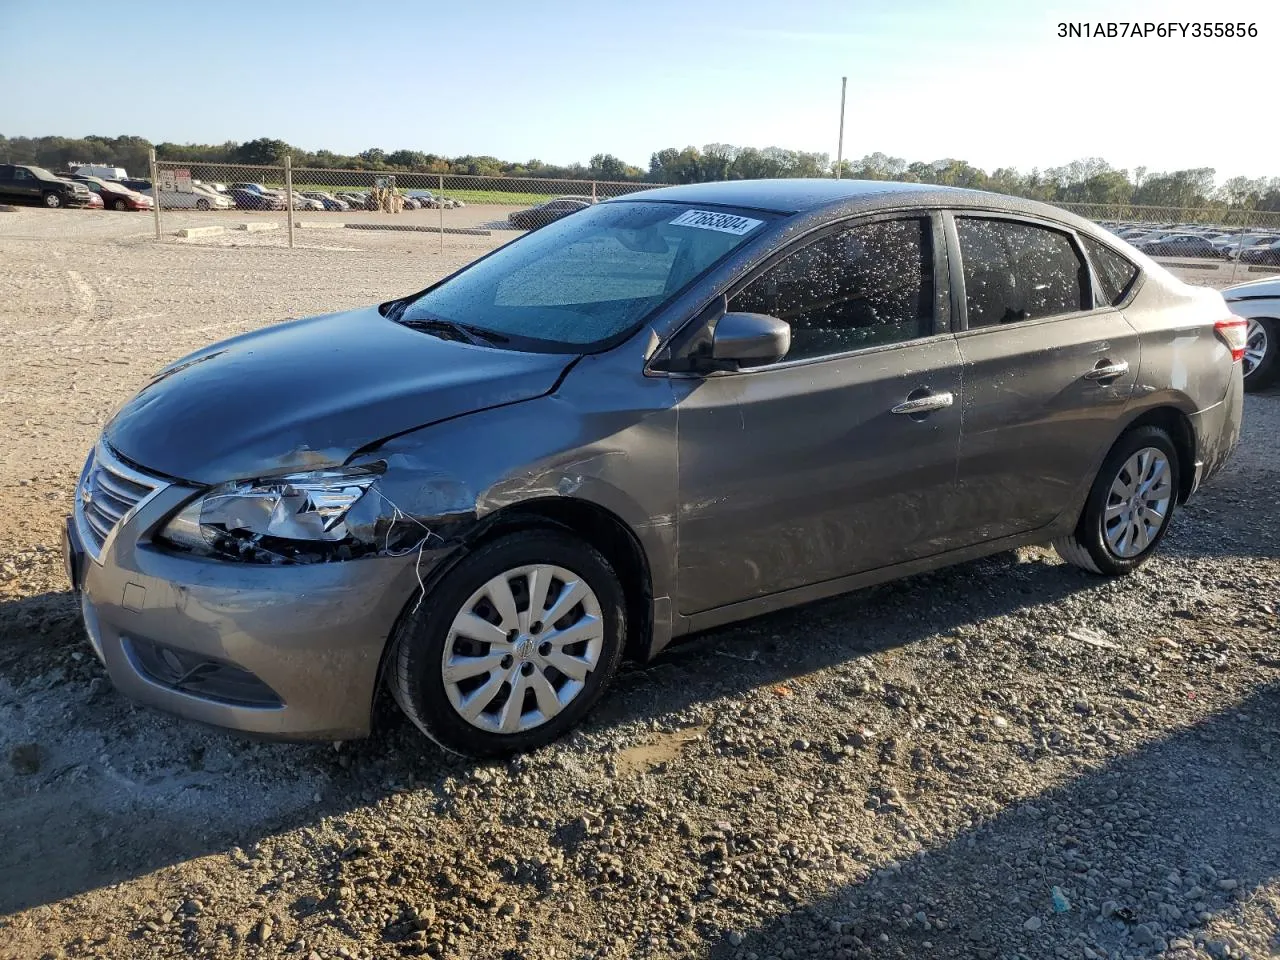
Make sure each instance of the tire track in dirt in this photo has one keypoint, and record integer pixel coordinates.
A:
(93, 307)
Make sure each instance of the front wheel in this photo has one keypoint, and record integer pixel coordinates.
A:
(120, 205)
(52, 201)
(202, 205)
(1262, 344)
(1129, 507)
(513, 646)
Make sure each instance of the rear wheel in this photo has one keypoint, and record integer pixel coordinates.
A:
(119, 205)
(1129, 507)
(1262, 344)
(52, 200)
(513, 647)
(202, 204)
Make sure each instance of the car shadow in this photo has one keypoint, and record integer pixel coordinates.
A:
(1142, 850)
(122, 790)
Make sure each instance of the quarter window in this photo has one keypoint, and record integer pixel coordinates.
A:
(1115, 273)
(1017, 271)
(866, 286)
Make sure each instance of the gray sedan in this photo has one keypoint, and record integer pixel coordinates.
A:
(667, 412)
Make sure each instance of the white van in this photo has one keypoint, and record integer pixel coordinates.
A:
(95, 170)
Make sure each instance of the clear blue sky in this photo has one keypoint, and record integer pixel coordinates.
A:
(988, 81)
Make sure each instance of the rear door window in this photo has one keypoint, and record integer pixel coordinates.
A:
(1016, 271)
(1115, 274)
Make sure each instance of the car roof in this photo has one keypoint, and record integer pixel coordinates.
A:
(794, 195)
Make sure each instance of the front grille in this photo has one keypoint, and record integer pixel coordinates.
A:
(108, 494)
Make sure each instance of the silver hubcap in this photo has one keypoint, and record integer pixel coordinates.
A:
(52, 200)
(1255, 346)
(1138, 503)
(522, 647)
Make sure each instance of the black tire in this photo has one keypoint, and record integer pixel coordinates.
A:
(1086, 547)
(416, 659)
(120, 205)
(202, 205)
(1265, 372)
(52, 200)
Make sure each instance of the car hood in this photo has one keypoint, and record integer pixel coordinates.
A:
(309, 393)
(1268, 287)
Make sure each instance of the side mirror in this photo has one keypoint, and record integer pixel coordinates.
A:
(747, 339)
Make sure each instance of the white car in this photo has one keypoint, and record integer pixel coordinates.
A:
(305, 203)
(1258, 301)
(200, 198)
(1241, 245)
(427, 199)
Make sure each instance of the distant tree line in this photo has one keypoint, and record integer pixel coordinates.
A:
(1082, 181)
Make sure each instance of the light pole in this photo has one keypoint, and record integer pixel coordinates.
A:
(840, 144)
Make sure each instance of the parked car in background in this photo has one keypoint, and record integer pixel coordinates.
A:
(1179, 245)
(548, 212)
(26, 183)
(426, 198)
(1262, 253)
(662, 413)
(137, 185)
(102, 171)
(328, 201)
(357, 200)
(253, 200)
(303, 202)
(1258, 302)
(95, 202)
(199, 198)
(409, 203)
(258, 189)
(115, 195)
(1234, 250)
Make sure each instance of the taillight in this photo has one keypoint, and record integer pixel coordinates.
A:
(1234, 333)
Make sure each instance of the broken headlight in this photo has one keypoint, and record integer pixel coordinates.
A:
(302, 510)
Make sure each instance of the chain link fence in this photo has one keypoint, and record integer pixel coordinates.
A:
(308, 206)
(294, 206)
(1217, 244)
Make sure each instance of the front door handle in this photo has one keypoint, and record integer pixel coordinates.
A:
(1108, 371)
(914, 406)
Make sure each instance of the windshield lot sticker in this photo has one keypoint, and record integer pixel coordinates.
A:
(723, 222)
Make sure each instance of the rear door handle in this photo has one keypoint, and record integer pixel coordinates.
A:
(1108, 371)
(925, 404)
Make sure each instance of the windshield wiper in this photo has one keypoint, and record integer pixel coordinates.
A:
(477, 336)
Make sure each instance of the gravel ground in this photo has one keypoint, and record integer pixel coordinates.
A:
(1006, 759)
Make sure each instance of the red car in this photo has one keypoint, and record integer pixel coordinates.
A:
(114, 195)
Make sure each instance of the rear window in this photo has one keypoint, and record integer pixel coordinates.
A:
(1017, 271)
(1115, 274)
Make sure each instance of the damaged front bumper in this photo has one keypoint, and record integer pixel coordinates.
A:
(290, 650)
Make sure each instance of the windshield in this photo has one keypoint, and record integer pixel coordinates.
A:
(588, 277)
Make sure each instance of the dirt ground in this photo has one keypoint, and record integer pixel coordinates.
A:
(1004, 759)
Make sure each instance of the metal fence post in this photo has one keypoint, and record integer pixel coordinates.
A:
(1235, 262)
(440, 204)
(288, 193)
(155, 190)
(593, 192)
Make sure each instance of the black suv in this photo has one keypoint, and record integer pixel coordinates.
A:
(27, 184)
